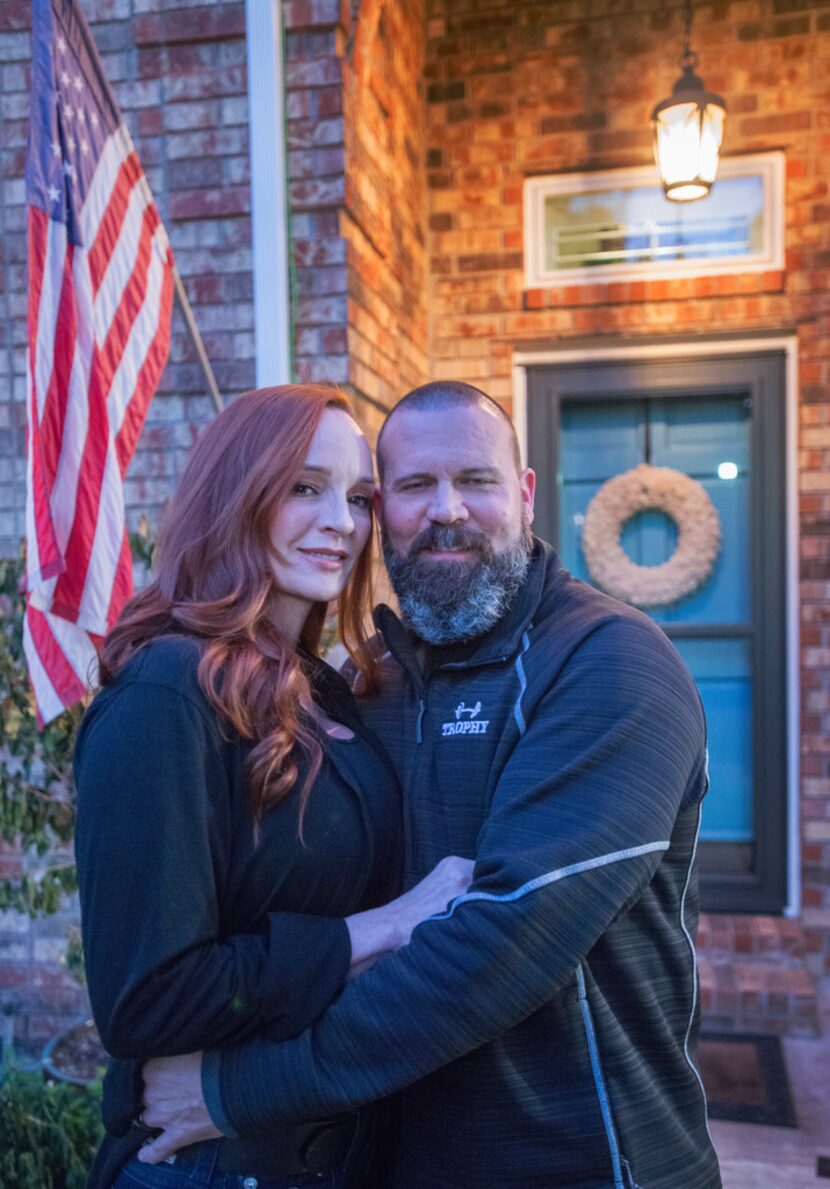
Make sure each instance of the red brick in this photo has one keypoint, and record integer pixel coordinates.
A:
(321, 311)
(329, 101)
(786, 27)
(204, 171)
(206, 84)
(15, 15)
(309, 133)
(335, 341)
(318, 72)
(319, 251)
(317, 192)
(150, 122)
(797, 121)
(206, 23)
(207, 204)
(299, 105)
(196, 56)
(487, 261)
(304, 14)
(328, 368)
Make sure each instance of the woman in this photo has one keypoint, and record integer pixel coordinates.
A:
(237, 826)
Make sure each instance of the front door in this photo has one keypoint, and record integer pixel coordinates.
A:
(721, 422)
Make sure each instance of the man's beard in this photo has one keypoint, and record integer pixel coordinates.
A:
(447, 602)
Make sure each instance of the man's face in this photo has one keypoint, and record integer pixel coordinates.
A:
(455, 519)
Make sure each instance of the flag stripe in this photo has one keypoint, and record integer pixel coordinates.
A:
(38, 229)
(39, 532)
(122, 330)
(48, 701)
(53, 413)
(123, 584)
(63, 678)
(114, 152)
(141, 305)
(136, 231)
(110, 226)
(76, 418)
(78, 549)
(136, 412)
(95, 596)
(47, 309)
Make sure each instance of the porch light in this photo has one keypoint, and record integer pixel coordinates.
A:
(688, 130)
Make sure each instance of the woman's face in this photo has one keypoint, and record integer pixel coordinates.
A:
(324, 524)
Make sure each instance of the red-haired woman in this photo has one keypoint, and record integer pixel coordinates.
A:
(237, 826)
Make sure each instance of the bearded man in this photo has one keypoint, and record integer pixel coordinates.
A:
(542, 1029)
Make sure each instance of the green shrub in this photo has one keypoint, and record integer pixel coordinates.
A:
(36, 792)
(37, 795)
(49, 1132)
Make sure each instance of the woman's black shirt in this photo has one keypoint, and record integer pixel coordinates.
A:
(195, 934)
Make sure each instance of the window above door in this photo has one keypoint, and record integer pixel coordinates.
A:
(616, 225)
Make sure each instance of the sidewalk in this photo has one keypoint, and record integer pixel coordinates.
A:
(755, 1157)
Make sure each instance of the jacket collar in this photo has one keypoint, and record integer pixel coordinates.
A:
(501, 642)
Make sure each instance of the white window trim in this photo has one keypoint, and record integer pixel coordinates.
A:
(769, 165)
(773, 342)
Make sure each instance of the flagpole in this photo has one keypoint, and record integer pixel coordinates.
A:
(196, 340)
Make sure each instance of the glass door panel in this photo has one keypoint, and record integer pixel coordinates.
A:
(600, 439)
(720, 421)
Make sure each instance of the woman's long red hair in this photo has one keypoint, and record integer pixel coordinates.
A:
(215, 581)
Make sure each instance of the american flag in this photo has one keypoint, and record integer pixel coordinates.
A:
(101, 286)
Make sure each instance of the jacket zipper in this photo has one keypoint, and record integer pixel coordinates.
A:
(406, 783)
(599, 1080)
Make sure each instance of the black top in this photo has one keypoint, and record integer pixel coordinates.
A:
(195, 935)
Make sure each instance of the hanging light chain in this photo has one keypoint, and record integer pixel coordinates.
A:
(688, 57)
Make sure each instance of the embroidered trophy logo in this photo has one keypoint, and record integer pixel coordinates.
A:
(467, 721)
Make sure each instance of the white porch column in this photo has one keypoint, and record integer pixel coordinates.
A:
(269, 213)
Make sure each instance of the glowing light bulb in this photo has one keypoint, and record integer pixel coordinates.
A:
(727, 470)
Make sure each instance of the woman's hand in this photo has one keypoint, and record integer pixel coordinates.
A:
(175, 1106)
(389, 927)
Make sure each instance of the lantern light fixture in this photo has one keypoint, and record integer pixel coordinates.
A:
(688, 129)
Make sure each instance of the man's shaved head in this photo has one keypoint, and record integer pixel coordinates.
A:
(447, 394)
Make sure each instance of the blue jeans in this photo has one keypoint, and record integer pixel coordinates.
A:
(202, 1174)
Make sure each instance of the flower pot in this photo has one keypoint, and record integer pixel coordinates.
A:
(75, 1055)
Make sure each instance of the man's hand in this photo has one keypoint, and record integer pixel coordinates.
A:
(173, 1104)
(378, 931)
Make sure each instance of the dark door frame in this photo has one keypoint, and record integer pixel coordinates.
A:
(761, 375)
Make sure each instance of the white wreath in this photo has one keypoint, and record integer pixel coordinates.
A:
(698, 538)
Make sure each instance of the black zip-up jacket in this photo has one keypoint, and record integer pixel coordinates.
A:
(551, 1012)
(196, 933)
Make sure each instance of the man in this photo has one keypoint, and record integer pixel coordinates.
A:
(543, 1027)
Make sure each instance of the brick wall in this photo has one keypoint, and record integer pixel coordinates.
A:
(552, 86)
(385, 218)
(179, 73)
(357, 195)
(315, 40)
